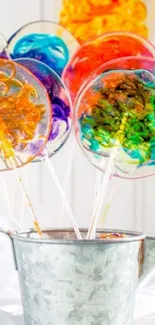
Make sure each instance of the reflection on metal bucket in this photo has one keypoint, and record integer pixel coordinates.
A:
(65, 281)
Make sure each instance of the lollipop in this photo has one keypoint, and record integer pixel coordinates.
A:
(45, 41)
(60, 104)
(90, 18)
(25, 121)
(25, 115)
(115, 116)
(93, 54)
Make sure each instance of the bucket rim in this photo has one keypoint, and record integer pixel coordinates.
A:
(24, 236)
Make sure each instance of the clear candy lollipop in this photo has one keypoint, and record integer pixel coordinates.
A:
(100, 50)
(60, 104)
(25, 115)
(45, 41)
(115, 113)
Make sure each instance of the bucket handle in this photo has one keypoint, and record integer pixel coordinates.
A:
(7, 233)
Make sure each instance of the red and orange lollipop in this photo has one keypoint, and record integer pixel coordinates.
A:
(94, 53)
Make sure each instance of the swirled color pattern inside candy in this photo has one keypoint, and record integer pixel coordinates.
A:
(101, 50)
(61, 112)
(60, 103)
(87, 19)
(116, 95)
(46, 48)
(24, 118)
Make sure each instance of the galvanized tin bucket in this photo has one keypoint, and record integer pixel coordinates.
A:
(65, 281)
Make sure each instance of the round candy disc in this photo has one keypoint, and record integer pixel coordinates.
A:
(116, 111)
(25, 115)
(94, 53)
(45, 41)
(60, 104)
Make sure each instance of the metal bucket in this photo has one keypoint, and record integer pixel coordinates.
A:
(65, 281)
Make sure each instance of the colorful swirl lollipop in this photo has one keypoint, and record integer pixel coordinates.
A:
(60, 104)
(45, 41)
(25, 115)
(116, 110)
(93, 54)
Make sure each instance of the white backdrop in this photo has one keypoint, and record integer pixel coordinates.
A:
(133, 203)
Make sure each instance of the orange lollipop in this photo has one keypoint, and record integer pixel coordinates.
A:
(25, 115)
(25, 121)
(90, 18)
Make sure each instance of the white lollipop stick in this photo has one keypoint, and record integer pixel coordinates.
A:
(69, 165)
(23, 190)
(97, 189)
(63, 197)
(108, 174)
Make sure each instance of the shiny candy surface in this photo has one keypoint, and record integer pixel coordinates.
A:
(25, 115)
(90, 18)
(116, 109)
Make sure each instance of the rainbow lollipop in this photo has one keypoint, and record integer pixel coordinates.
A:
(115, 119)
(45, 41)
(115, 112)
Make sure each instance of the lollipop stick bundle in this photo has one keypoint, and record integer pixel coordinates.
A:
(97, 189)
(63, 197)
(25, 194)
